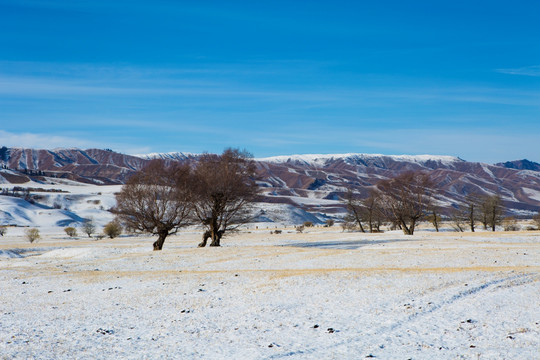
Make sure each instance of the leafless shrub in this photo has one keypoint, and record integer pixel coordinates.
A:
(32, 234)
(348, 226)
(88, 227)
(536, 220)
(510, 224)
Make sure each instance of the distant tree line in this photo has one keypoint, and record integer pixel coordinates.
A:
(403, 201)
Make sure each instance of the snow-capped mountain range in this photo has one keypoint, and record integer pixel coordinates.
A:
(312, 185)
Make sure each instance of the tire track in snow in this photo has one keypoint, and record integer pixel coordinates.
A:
(517, 280)
(512, 281)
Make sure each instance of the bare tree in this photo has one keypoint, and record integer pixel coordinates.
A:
(32, 234)
(458, 219)
(355, 208)
(434, 217)
(406, 199)
(88, 227)
(472, 206)
(491, 211)
(372, 211)
(156, 200)
(223, 190)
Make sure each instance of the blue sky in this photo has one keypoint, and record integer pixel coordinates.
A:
(279, 77)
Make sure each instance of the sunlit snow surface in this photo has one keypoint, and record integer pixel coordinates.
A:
(323, 294)
(321, 159)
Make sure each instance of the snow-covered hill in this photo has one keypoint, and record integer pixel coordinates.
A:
(56, 203)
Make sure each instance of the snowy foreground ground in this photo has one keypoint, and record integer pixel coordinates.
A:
(319, 295)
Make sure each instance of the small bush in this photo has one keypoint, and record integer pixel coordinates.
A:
(3, 230)
(112, 229)
(32, 234)
(536, 220)
(70, 231)
(329, 223)
(300, 229)
(308, 224)
(348, 226)
(510, 224)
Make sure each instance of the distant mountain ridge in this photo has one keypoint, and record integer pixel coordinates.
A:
(178, 156)
(312, 182)
(521, 165)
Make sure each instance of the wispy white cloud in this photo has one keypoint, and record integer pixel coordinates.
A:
(45, 87)
(211, 83)
(525, 71)
(49, 141)
(43, 141)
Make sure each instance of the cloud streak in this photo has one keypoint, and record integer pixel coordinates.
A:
(43, 141)
(524, 71)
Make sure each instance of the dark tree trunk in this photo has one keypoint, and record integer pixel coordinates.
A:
(205, 238)
(405, 228)
(158, 244)
(471, 217)
(216, 240)
(435, 221)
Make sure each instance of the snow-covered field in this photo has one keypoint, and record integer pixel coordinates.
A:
(318, 295)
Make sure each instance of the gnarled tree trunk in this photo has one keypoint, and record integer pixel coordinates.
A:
(158, 244)
(205, 237)
(215, 236)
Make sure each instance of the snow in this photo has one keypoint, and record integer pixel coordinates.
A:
(170, 155)
(322, 159)
(532, 194)
(282, 214)
(53, 209)
(79, 201)
(322, 294)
